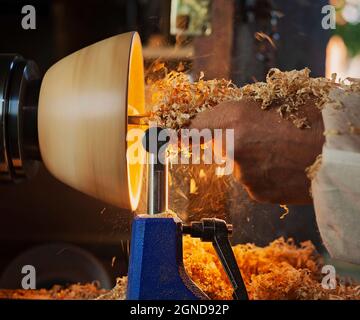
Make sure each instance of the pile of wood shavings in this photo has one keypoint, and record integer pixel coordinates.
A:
(72, 292)
(118, 292)
(175, 99)
(279, 271)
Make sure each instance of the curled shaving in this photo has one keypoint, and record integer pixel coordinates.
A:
(175, 99)
(280, 270)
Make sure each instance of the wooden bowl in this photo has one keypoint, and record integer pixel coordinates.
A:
(85, 100)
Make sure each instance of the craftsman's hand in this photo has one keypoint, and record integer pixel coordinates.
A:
(272, 153)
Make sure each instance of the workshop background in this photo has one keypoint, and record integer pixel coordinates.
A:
(223, 38)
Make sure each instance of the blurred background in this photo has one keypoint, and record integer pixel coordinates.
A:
(233, 39)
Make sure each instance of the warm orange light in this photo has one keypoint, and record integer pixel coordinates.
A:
(336, 57)
(136, 105)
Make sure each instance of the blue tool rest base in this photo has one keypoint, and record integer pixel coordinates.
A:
(156, 269)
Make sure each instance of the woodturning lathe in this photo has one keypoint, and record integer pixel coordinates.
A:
(76, 119)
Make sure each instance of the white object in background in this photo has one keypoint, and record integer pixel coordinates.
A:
(336, 187)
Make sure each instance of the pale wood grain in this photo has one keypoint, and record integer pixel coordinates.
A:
(83, 108)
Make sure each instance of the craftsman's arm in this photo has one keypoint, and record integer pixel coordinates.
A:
(273, 155)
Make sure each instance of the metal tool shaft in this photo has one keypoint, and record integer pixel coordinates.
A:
(157, 185)
(157, 164)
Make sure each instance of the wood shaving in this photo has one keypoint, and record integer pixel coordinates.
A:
(193, 187)
(278, 271)
(261, 36)
(281, 270)
(175, 99)
(207, 196)
(118, 292)
(286, 211)
(167, 214)
(312, 170)
(301, 123)
(72, 292)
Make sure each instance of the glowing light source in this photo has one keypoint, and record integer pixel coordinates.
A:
(336, 57)
(351, 12)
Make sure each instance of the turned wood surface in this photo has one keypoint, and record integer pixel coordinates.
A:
(82, 118)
